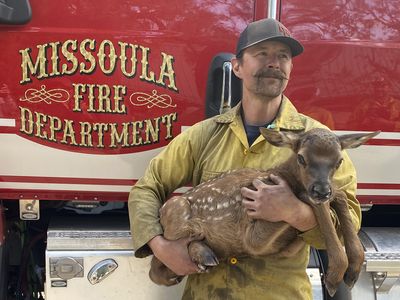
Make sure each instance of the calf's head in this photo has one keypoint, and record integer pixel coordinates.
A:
(318, 155)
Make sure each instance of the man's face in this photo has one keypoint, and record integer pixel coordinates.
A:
(264, 68)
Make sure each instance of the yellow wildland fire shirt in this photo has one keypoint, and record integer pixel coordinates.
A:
(205, 150)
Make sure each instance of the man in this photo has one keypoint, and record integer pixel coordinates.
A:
(230, 141)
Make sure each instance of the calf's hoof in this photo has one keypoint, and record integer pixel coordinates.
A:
(331, 286)
(202, 255)
(350, 277)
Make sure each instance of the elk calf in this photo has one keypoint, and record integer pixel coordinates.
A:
(212, 214)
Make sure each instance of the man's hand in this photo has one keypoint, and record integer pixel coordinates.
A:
(276, 203)
(174, 254)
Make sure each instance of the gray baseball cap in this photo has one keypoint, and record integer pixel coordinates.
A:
(267, 30)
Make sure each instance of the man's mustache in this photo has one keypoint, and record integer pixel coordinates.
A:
(271, 73)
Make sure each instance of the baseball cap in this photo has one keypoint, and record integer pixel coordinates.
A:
(267, 30)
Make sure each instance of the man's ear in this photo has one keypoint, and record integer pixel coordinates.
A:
(236, 66)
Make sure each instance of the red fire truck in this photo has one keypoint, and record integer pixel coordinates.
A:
(90, 91)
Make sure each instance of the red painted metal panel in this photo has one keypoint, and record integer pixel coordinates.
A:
(347, 76)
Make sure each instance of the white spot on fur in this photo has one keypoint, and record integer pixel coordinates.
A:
(225, 204)
(217, 218)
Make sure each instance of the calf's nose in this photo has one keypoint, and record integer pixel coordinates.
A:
(320, 191)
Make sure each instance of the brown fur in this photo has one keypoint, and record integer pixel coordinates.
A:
(213, 216)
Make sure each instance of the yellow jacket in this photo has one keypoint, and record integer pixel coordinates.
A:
(205, 150)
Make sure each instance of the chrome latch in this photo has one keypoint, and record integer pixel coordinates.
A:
(101, 270)
(29, 209)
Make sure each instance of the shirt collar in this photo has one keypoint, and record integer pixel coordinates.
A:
(288, 117)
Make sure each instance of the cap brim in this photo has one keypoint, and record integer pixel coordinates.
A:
(295, 47)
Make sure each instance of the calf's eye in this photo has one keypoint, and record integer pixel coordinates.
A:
(301, 160)
(339, 163)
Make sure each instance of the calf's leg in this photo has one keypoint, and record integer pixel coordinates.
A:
(337, 257)
(161, 274)
(202, 255)
(174, 216)
(353, 246)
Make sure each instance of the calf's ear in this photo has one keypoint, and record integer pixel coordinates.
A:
(287, 139)
(354, 140)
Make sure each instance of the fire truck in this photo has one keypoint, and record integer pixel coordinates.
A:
(90, 91)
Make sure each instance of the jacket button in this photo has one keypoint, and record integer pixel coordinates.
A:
(245, 151)
(233, 260)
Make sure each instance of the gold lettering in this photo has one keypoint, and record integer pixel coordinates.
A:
(39, 125)
(167, 120)
(119, 106)
(145, 65)
(150, 130)
(100, 128)
(28, 67)
(64, 131)
(83, 57)
(104, 98)
(86, 136)
(91, 98)
(55, 126)
(78, 89)
(69, 133)
(167, 70)
(119, 138)
(69, 56)
(87, 55)
(136, 138)
(123, 59)
(102, 57)
(26, 121)
(54, 58)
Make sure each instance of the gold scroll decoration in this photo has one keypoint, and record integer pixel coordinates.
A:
(151, 100)
(47, 96)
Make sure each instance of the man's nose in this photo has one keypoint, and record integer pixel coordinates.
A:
(272, 61)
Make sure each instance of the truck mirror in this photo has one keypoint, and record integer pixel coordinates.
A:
(15, 12)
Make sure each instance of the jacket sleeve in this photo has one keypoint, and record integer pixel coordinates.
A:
(345, 180)
(171, 169)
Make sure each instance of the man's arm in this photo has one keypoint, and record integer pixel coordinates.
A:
(174, 254)
(171, 169)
